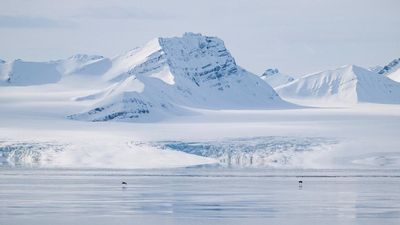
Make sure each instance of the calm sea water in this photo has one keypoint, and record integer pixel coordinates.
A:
(198, 196)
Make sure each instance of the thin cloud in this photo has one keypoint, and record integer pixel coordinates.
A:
(7, 21)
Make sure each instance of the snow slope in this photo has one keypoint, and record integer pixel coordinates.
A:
(168, 75)
(395, 75)
(345, 85)
(274, 78)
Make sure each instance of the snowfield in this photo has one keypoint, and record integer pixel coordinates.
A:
(34, 119)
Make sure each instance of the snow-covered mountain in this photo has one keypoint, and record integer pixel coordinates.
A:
(169, 74)
(84, 64)
(275, 78)
(348, 84)
(23, 73)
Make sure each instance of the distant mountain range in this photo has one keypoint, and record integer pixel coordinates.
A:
(348, 84)
(169, 76)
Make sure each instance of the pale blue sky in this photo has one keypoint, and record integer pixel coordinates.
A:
(297, 37)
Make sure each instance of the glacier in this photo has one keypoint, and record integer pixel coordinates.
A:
(272, 151)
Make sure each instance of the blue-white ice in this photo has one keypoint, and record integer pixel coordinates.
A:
(250, 152)
(254, 151)
(20, 153)
(243, 152)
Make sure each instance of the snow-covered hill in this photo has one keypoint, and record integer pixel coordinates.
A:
(275, 78)
(345, 85)
(23, 73)
(84, 64)
(169, 74)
